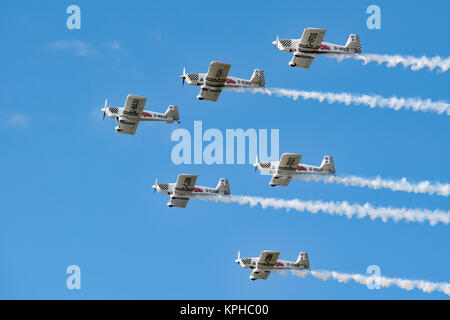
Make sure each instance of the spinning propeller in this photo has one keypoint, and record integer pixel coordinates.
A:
(275, 43)
(183, 76)
(256, 163)
(104, 109)
(238, 257)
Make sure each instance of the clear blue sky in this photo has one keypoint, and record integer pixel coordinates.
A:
(75, 192)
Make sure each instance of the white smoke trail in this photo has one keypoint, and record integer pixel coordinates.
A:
(414, 63)
(384, 282)
(342, 209)
(426, 187)
(414, 104)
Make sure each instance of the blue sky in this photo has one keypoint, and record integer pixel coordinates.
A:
(75, 192)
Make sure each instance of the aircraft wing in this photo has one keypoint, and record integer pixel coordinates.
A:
(217, 74)
(289, 161)
(311, 39)
(303, 61)
(185, 183)
(267, 259)
(278, 180)
(134, 105)
(179, 202)
(209, 93)
(259, 274)
(128, 126)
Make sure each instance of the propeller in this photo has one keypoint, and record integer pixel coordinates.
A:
(155, 185)
(256, 163)
(275, 43)
(104, 109)
(183, 76)
(238, 257)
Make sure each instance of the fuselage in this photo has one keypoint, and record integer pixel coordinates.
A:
(197, 191)
(273, 168)
(252, 263)
(292, 45)
(146, 115)
(198, 79)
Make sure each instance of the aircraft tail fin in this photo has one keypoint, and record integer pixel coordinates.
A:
(258, 78)
(223, 186)
(303, 260)
(172, 114)
(354, 43)
(328, 164)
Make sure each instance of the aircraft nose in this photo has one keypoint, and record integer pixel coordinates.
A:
(274, 42)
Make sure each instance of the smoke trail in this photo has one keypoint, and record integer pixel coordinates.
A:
(384, 282)
(426, 187)
(414, 63)
(414, 104)
(342, 209)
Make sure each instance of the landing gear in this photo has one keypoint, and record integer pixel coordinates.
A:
(292, 64)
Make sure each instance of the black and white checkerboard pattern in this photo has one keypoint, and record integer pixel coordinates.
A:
(226, 183)
(359, 48)
(265, 165)
(261, 84)
(164, 186)
(113, 110)
(330, 160)
(193, 76)
(246, 261)
(286, 42)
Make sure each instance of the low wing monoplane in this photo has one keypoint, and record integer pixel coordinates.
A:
(310, 45)
(184, 189)
(289, 167)
(268, 261)
(217, 78)
(129, 116)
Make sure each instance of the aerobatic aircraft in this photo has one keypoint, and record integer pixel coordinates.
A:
(268, 261)
(289, 166)
(310, 45)
(217, 79)
(184, 189)
(133, 112)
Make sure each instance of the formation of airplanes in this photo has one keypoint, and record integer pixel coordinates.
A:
(304, 50)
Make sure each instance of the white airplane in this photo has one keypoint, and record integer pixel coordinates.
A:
(133, 112)
(185, 189)
(289, 166)
(217, 79)
(310, 45)
(268, 261)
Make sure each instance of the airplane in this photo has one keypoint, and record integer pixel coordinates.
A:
(217, 79)
(268, 261)
(133, 112)
(289, 166)
(310, 45)
(184, 189)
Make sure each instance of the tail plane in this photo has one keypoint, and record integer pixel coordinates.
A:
(223, 186)
(258, 78)
(328, 164)
(354, 43)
